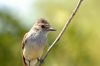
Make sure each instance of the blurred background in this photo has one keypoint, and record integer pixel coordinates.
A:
(80, 44)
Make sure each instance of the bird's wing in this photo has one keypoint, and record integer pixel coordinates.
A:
(24, 40)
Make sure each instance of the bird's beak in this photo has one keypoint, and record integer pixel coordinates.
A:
(51, 29)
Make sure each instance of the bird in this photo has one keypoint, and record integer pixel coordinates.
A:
(34, 41)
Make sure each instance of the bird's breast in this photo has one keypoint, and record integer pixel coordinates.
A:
(34, 46)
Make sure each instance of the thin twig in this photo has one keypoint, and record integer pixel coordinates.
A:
(62, 31)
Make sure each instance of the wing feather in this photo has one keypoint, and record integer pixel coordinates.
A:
(24, 40)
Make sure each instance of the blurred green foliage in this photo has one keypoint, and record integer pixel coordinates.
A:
(11, 33)
(79, 46)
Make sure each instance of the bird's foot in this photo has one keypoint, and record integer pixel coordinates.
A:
(40, 60)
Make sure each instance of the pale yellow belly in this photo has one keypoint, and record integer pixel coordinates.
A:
(32, 52)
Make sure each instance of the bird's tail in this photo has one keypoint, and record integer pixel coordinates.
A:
(29, 63)
(33, 62)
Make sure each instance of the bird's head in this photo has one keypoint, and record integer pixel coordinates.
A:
(43, 25)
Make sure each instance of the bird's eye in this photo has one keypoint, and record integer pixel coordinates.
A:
(43, 26)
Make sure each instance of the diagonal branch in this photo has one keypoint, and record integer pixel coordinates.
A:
(62, 31)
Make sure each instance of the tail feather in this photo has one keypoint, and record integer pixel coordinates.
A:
(29, 63)
(33, 62)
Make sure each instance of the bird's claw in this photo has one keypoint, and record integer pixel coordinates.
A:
(40, 60)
